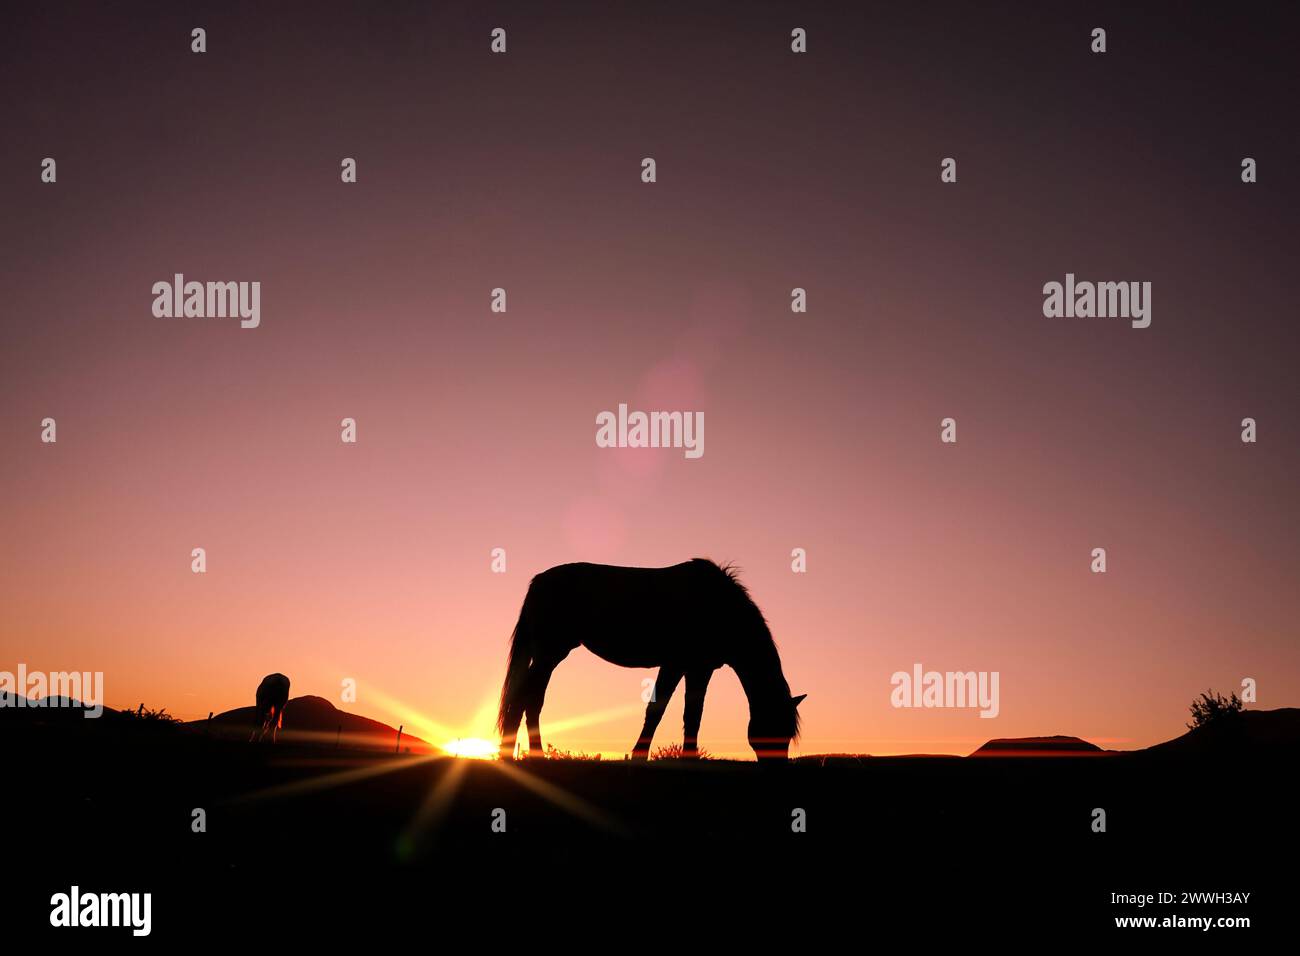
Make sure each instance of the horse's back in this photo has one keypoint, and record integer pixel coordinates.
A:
(274, 690)
(583, 582)
(636, 617)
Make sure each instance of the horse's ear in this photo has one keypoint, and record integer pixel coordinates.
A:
(798, 700)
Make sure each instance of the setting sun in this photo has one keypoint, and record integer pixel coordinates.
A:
(475, 748)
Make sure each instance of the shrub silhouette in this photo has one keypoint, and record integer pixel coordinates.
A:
(147, 714)
(553, 753)
(1213, 709)
(675, 752)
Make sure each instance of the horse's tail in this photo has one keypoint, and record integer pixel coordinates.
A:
(521, 657)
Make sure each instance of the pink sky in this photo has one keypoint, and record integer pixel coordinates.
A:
(476, 430)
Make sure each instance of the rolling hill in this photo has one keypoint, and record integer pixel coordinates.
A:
(1249, 733)
(1054, 746)
(310, 719)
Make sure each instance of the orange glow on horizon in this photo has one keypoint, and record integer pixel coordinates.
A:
(472, 748)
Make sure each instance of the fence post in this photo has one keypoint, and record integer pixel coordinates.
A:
(399, 740)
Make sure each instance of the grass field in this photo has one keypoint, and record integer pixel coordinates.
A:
(883, 836)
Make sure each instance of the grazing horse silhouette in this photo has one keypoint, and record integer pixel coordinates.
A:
(272, 695)
(688, 620)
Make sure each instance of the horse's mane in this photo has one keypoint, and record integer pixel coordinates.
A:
(731, 571)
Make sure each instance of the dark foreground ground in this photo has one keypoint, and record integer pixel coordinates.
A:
(990, 848)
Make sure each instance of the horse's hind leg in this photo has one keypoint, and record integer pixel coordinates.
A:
(539, 675)
(697, 682)
(514, 714)
(665, 684)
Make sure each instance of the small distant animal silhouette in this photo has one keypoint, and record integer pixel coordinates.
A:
(688, 620)
(272, 695)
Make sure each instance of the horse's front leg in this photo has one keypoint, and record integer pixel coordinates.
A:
(665, 684)
(697, 682)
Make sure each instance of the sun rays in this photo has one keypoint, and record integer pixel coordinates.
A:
(463, 752)
(431, 812)
(339, 778)
(472, 748)
(415, 720)
(477, 738)
(595, 717)
(557, 795)
(475, 741)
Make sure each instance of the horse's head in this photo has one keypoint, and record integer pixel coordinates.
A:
(772, 727)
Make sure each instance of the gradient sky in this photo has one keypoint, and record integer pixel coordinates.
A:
(476, 430)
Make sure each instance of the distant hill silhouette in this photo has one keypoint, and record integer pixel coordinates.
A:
(314, 720)
(1250, 732)
(1053, 746)
(57, 710)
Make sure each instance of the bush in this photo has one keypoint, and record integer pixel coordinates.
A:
(675, 752)
(1210, 710)
(156, 716)
(553, 754)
